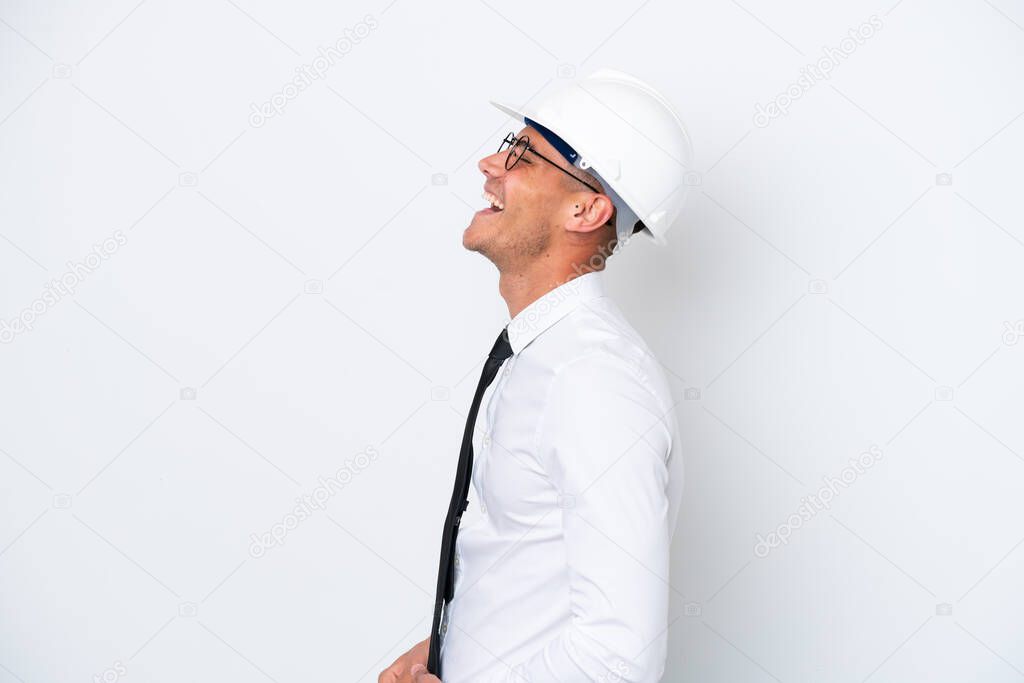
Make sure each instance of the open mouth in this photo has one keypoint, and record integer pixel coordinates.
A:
(496, 204)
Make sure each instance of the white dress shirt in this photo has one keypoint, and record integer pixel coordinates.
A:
(563, 575)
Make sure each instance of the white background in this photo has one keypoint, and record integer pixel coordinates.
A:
(827, 290)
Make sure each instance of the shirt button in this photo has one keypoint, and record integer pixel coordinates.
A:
(483, 508)
(486, 441)
(456, 560)
(444, 629)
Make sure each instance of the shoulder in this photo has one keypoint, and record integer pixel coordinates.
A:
(602, 368)
(598, 337)
(608, 399)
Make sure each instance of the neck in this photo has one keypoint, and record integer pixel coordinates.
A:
(521, 288)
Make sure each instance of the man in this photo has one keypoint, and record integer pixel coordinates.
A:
(578, 474)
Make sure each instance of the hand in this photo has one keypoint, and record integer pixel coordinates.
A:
(401, 670)
(420, 675)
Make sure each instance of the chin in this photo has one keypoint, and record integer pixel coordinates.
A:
(472, 239)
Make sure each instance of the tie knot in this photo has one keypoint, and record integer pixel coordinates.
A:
(502, 347)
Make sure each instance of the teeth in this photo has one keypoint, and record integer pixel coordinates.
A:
(495, 202)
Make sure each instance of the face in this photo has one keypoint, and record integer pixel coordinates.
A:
(536, 205)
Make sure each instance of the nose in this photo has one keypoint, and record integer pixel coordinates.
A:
(493, 166)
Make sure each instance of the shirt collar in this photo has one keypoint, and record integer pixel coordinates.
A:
(551, 307)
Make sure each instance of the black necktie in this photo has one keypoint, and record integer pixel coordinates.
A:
(460, 499)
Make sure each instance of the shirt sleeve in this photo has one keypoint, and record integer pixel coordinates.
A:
(604, 442)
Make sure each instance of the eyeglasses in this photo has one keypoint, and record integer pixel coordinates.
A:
(517, 147)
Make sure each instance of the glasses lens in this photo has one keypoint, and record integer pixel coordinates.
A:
(516, 152)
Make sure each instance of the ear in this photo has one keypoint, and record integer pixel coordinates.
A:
(588, 212)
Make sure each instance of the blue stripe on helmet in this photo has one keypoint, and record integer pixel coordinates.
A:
(558, 143)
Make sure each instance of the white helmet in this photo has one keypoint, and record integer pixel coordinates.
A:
(625, 132)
